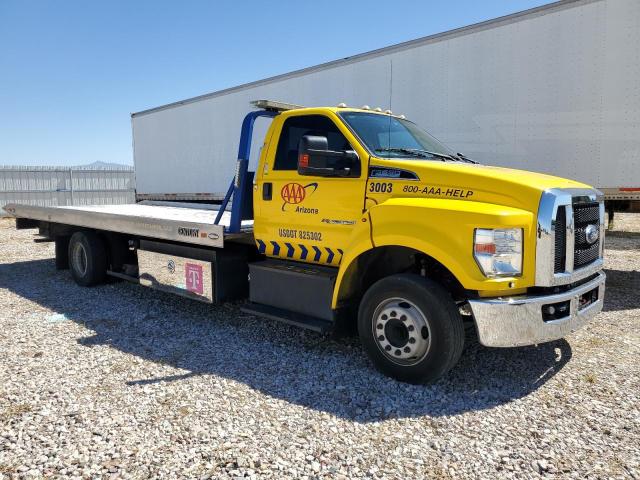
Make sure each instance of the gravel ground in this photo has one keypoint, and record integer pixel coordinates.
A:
(120, 381)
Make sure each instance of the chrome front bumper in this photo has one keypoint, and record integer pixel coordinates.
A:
(518, 321)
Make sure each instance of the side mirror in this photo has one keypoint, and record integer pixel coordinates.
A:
(315, 158)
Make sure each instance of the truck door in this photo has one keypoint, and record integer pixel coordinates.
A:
(303, 217)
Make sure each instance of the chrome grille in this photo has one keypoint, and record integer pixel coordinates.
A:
(583, 252)
(559, 262)
(563, 254)
(584, 256)
(585, 214)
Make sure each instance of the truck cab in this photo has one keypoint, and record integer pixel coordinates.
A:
(388, 207)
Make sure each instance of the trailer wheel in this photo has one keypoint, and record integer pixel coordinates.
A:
(410, 328)
(87, 258)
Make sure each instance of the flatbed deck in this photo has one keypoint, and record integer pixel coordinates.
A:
(187, 224)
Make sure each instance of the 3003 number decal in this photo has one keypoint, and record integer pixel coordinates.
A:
(380, 187)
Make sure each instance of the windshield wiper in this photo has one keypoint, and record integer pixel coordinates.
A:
(458, 157)
(443, 156)
(465, 158)
(416, 152)
(407, 151)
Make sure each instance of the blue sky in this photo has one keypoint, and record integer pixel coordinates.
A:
(71, 72)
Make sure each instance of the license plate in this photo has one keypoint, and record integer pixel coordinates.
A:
(587, 298)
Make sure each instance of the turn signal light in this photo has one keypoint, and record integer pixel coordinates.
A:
(489, 248)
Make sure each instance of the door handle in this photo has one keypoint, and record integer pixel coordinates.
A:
(267, 191)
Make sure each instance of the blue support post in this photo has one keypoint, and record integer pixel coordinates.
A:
(224, 204)
(238, 185)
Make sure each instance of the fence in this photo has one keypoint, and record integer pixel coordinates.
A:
(59, 186)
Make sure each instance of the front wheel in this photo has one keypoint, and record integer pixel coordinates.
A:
(410, 328)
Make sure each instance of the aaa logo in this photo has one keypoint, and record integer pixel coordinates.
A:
(294, 193)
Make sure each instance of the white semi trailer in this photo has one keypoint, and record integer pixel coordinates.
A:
(553, 89)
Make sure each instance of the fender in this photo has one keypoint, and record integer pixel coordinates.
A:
(442, 229)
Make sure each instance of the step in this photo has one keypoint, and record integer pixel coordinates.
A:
(293, 286)
(291, 318)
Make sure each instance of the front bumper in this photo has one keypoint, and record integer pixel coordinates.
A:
(518, 321)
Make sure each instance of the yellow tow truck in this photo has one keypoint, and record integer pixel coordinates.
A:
(357, 217)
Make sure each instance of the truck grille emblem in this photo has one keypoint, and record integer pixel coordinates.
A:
(591, 234)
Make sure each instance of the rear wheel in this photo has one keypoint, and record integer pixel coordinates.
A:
(410, 328)
(87, 258)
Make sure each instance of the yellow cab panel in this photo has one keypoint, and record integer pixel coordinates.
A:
(307, 218)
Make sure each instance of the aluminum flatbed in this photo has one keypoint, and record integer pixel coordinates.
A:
(187, 223)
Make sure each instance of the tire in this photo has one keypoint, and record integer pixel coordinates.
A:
(87, 258)
(410, 328)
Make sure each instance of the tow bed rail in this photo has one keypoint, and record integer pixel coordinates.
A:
(180, 224)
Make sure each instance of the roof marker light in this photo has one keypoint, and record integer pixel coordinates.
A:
(342, 105)
(365, 107)
(275, 105)
(388, 112)
(377, 109)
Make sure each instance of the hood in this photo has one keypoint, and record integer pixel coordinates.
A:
(474, 182)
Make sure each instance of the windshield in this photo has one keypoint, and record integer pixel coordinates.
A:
(392, 137)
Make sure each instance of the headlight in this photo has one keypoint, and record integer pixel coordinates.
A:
(498, 251)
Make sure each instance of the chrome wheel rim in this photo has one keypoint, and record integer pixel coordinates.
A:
(79, 257)
(401, 331)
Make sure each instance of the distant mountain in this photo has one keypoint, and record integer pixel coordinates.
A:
(105, 165)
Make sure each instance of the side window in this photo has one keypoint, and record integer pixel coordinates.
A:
(295, 128)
